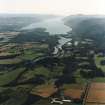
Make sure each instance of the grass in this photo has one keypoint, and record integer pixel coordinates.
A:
(37, 71)
(41, 46)
(13, 51)
(99, 79)
(25, 87)
(6, 54)
(79, 78)
(46, 72)
(81, 81)
(42, 71)
(98, 60)
(16, 97)
(10, 76)
(30, 55)
(57, 71)
(83, 63)
(10, 61)
(2, 89)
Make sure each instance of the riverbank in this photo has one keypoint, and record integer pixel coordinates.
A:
(61, 42)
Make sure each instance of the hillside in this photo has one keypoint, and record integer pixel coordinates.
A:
(15, 22)
(88, 27)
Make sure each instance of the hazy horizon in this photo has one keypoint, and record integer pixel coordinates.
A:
(53, 7)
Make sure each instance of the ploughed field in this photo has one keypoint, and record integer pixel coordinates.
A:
(96, 94)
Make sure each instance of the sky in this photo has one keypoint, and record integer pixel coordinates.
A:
(59, 7)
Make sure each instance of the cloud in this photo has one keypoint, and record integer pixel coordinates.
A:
(63, 7)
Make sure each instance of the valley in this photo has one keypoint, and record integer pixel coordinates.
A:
(39, 65)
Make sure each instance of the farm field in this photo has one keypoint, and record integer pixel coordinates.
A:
(10, 61)
(96, 94)
(10, 76)
(98, 60)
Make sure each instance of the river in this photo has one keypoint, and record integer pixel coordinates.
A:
(53, 26)
(61, 42)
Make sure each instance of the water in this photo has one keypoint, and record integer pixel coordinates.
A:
(61, 41)
(53, 26)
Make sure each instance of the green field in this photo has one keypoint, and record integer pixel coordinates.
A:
(9, 76)
(10, 61)
(37, 71)
(99, 79)
(30, 55)
(98, 62)
(42, 71)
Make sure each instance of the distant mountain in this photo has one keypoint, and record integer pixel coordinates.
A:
(74, 20)
(36, 35)
(14, 22)
(88, 26)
